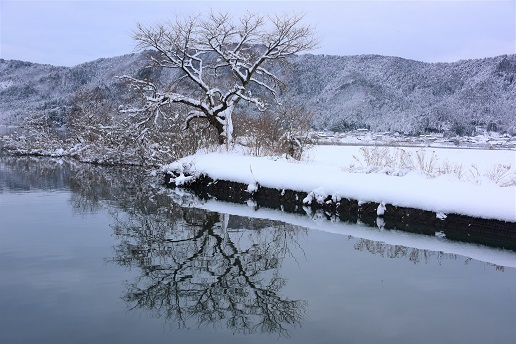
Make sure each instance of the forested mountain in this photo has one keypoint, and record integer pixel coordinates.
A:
(344, 92)
(28, 88)
(394, 94)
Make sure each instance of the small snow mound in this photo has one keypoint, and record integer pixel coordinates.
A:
(181, 179)
(308, 199)
(441, 215)
(381, 209)
(252, 188)
(440, 234)
(316, 195)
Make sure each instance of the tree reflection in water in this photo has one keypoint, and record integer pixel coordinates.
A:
(198, 267)
(195, 265)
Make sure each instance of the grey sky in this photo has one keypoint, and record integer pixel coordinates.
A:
(72, 32)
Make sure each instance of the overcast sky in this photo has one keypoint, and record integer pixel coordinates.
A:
(70, 32)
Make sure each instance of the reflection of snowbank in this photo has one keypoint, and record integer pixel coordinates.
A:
(437, 243)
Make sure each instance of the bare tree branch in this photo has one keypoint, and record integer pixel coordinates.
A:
(220, 57)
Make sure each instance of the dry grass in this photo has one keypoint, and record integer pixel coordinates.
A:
(397, 161)
(500, 174)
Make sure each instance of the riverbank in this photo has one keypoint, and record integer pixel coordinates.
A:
(318, 184)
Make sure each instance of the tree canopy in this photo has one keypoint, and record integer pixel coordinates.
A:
(220, 60)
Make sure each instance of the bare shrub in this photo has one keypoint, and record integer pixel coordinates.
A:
(449, 168)
(96, 132)
(282, 132)
(426, 163)
(499, 174)
(377, 156)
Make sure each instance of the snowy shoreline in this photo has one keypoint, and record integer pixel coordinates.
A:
(323, 179)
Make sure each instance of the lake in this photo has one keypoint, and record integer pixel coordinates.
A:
(107, 255)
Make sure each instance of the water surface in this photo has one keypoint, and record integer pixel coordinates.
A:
(91, 254)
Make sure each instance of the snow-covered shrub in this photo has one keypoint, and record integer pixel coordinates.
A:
(96, 132)
(136, 137)
(36, 135)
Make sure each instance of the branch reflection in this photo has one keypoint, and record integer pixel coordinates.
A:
(196, 267)
(202, 267)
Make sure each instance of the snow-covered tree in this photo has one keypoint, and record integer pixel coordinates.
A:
(221, 61)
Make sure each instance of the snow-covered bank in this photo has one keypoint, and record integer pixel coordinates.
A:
(326, 174)
(436, 243)
(483, 140)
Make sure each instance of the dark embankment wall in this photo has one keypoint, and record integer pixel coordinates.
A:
(456, 227)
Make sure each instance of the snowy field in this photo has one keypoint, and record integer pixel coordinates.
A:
(483, 140)
(475, 165)
(473, 182)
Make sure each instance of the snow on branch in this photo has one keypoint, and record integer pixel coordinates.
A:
(219, 58)
(191, 116)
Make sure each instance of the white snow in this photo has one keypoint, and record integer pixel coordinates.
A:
(326, 173)
(483, 159)
(6, 84)
(182, 179)
(381, 209)
(441, 216)
(252, 188)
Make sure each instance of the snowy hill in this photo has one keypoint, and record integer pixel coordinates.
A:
(394, 94)
(382, 93)
(27, 88)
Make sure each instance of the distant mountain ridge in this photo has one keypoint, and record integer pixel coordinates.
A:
(344, 92)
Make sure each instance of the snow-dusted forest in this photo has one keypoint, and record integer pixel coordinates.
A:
(343, 92)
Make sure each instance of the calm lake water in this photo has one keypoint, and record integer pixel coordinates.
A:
(103, 255)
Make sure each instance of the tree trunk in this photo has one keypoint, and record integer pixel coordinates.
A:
(221, 137)
(214, 123)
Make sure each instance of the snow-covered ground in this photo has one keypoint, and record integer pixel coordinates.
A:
(443, 180)
(483, 140)
(475, 165)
